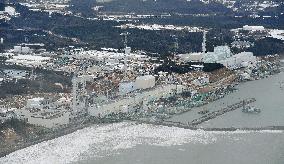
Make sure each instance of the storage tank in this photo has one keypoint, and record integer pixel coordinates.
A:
(144, 82)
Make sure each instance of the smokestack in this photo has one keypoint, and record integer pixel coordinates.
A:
(204, 42)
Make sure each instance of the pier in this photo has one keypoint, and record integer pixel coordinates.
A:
(220, 112)
(193, 124)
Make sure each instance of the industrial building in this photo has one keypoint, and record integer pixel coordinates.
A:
(219, 53)
(144, 82)
(29, 60)
(22, 50)
(80, 103)
(101, 94)
(110, 82)
(243, 59)
(222, 55)
(191, 57)
(8, 13)
(10, 10)
(43, 112)
(253, 28)
(137, 100)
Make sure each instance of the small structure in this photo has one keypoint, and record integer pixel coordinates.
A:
(126, 87)
(250, 109)
(26, 50)
(201, 81)
(204, 111)
(17, 49)
(144, 82)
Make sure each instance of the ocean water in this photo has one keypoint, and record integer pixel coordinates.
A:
(130, 143)
(269, 98)
(246, 148)
(127, 142)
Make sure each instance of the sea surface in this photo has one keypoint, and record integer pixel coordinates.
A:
(131, 143)
(269, 95)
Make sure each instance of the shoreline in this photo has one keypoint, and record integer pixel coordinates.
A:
(46, 137)
(70, 129)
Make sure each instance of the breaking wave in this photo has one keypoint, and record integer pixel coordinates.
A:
(103, 140)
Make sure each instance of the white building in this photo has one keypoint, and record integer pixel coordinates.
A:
(126, 87)
(107, 55)
(219, 53)
(141, 82)
(10, 10)
(29, 60)
(223, 55)
(253, 28)
(144, 82)
(35, 103)
(22, 49)
(191, 57)
(243, 59)
(17, 49)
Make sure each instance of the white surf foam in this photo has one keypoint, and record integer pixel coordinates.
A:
(104, 140)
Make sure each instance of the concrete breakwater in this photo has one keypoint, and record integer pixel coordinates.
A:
(206, 117)
(220, 112)
(186, 126)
